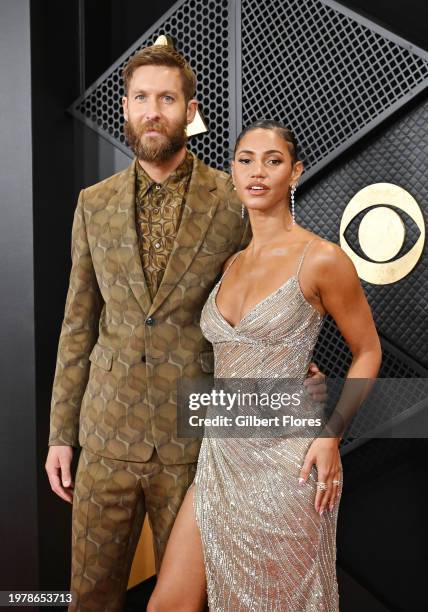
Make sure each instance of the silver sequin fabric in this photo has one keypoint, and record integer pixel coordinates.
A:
(265, 547)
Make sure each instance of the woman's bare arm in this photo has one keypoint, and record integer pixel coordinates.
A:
(342, 296)
(337, 289)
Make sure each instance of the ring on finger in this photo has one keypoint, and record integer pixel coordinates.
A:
(322, 486)
(337, 482)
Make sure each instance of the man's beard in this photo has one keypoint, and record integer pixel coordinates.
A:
(155, 149)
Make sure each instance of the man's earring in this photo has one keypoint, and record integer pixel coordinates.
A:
(293, 211)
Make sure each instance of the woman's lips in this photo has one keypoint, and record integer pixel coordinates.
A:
(257, 190)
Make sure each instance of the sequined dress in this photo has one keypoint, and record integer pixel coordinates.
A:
(265, 547)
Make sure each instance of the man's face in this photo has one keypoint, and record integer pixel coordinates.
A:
(156, 113)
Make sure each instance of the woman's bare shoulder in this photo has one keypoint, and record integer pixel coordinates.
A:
(327, 256)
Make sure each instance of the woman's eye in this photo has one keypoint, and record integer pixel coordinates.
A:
(244, 160)
(274, 162)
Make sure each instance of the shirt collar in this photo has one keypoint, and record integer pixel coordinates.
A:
(182, 172)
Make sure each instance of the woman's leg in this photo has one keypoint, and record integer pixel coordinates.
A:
(181, 581)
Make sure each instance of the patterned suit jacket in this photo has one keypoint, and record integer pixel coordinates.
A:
(120, 356)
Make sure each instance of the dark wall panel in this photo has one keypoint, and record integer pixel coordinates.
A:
(54, 47)
(407, 18)
(382, 541)
(111, 26)
(18, 508)
(397, 153)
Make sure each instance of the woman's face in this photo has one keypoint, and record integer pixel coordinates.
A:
(263, 169)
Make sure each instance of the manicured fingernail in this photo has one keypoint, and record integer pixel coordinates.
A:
(66, 483)
(301, 481)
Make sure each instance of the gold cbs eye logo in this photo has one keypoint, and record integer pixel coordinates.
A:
(381, 232)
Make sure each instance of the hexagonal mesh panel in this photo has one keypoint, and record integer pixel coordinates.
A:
(199, 29)
(326, 72)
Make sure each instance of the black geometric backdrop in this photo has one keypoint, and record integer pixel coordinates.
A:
(329, 73)
(200, 29)
(324, 70)
(332, 76)
(398, 155)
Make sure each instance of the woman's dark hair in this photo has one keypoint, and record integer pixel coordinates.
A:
(269, 124)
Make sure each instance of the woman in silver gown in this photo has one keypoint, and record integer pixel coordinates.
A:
(257, 531)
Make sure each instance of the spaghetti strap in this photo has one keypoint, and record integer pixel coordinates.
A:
(229, 266)
(305, 250)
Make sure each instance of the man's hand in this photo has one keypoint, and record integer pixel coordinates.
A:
(315, 384)
(58, 469)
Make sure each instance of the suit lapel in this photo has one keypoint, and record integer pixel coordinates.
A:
(198, 212)
(124, 234)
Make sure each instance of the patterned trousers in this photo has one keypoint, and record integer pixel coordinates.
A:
(111, 499)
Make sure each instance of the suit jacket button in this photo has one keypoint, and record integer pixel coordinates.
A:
(143, 358)
(150, 321)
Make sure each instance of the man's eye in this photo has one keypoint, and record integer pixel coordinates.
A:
(139, 97)
(168, 99)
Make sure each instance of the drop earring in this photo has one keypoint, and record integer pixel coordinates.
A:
(242, 206)
(293, 211)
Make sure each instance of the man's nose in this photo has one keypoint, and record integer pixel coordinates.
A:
(152, 110)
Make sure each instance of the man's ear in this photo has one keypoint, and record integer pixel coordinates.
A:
(192, 107)
(125, 107)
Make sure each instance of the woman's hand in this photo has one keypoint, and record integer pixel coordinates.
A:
(324, 454)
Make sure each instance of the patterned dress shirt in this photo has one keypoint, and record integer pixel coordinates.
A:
(158, 210)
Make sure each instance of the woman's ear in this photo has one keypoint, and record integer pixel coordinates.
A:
(297, 171)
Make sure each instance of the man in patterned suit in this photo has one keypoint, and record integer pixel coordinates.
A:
(147, 247)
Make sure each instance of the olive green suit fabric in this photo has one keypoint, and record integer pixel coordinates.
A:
(111, 498)
(121, 355)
